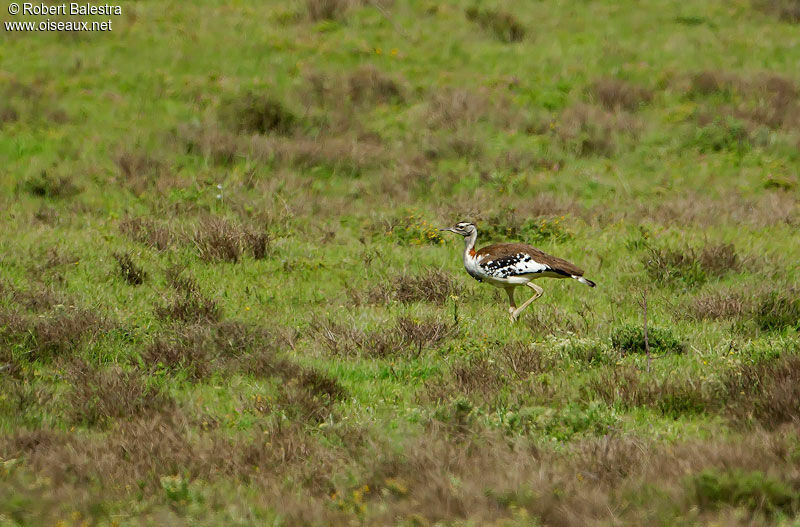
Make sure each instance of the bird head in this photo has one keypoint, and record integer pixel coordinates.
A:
(464, 228)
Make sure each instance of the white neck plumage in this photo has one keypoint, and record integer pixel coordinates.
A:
(469, 243)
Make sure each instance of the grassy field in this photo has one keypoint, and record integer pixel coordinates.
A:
(224, 298)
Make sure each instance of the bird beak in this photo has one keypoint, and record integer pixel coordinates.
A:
(448, 229)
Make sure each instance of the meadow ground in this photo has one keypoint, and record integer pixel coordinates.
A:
(224, 300)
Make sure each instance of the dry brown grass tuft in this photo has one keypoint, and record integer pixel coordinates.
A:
(220, 146)
(408, 337)
(139, 172)
(310, 396)
(786, 10)
(347, 155)
(258, 113)
(630, 388)
(712, 83)
(767, 392)
(481, 378)
(591, 131)
(186, 351)
(8, 114)
(148, 232)
(434, 285)
(766, 99)
(766, 309)
(555, 320)
(217, 239)
(617, 94)
(56, 334)
(368, 84)
(777, 309)
(455, 108)
(190, 305)
(520, 360)
(100, 396)
(438, 476)
(719, 305)
(37, 299)
(327, 9)
(348, 340)
(129, 270)
(47, 185)
(423, 333)
(477, 375)
(338, 152)
(772, 208)
(503, 25)
(692, 266)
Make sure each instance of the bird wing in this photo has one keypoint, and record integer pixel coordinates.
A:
(514, 259)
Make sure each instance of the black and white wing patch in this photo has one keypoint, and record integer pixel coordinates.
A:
(514, 265)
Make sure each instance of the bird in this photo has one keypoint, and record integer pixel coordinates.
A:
(510, 265)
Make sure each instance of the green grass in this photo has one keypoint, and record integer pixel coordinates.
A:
(225, 300)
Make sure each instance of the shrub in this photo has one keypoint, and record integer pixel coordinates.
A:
(630, 339)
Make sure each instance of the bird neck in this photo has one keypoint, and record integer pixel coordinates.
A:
(469, 244)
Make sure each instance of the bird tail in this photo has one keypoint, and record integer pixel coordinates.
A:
(584, 280)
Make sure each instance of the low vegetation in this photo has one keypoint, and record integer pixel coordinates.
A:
(225, 298)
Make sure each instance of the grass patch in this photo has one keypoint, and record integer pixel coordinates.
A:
(617, 94)
(189, 303)
(754, 491)
(101, 396)
(689, 266)
(258, 113)
(503, 25)
(217, 239)
(47, 185)
(767, 392)
(630, 339)
(132, 273)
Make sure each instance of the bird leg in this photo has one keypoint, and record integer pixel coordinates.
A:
(538, 291)
(511, 304)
